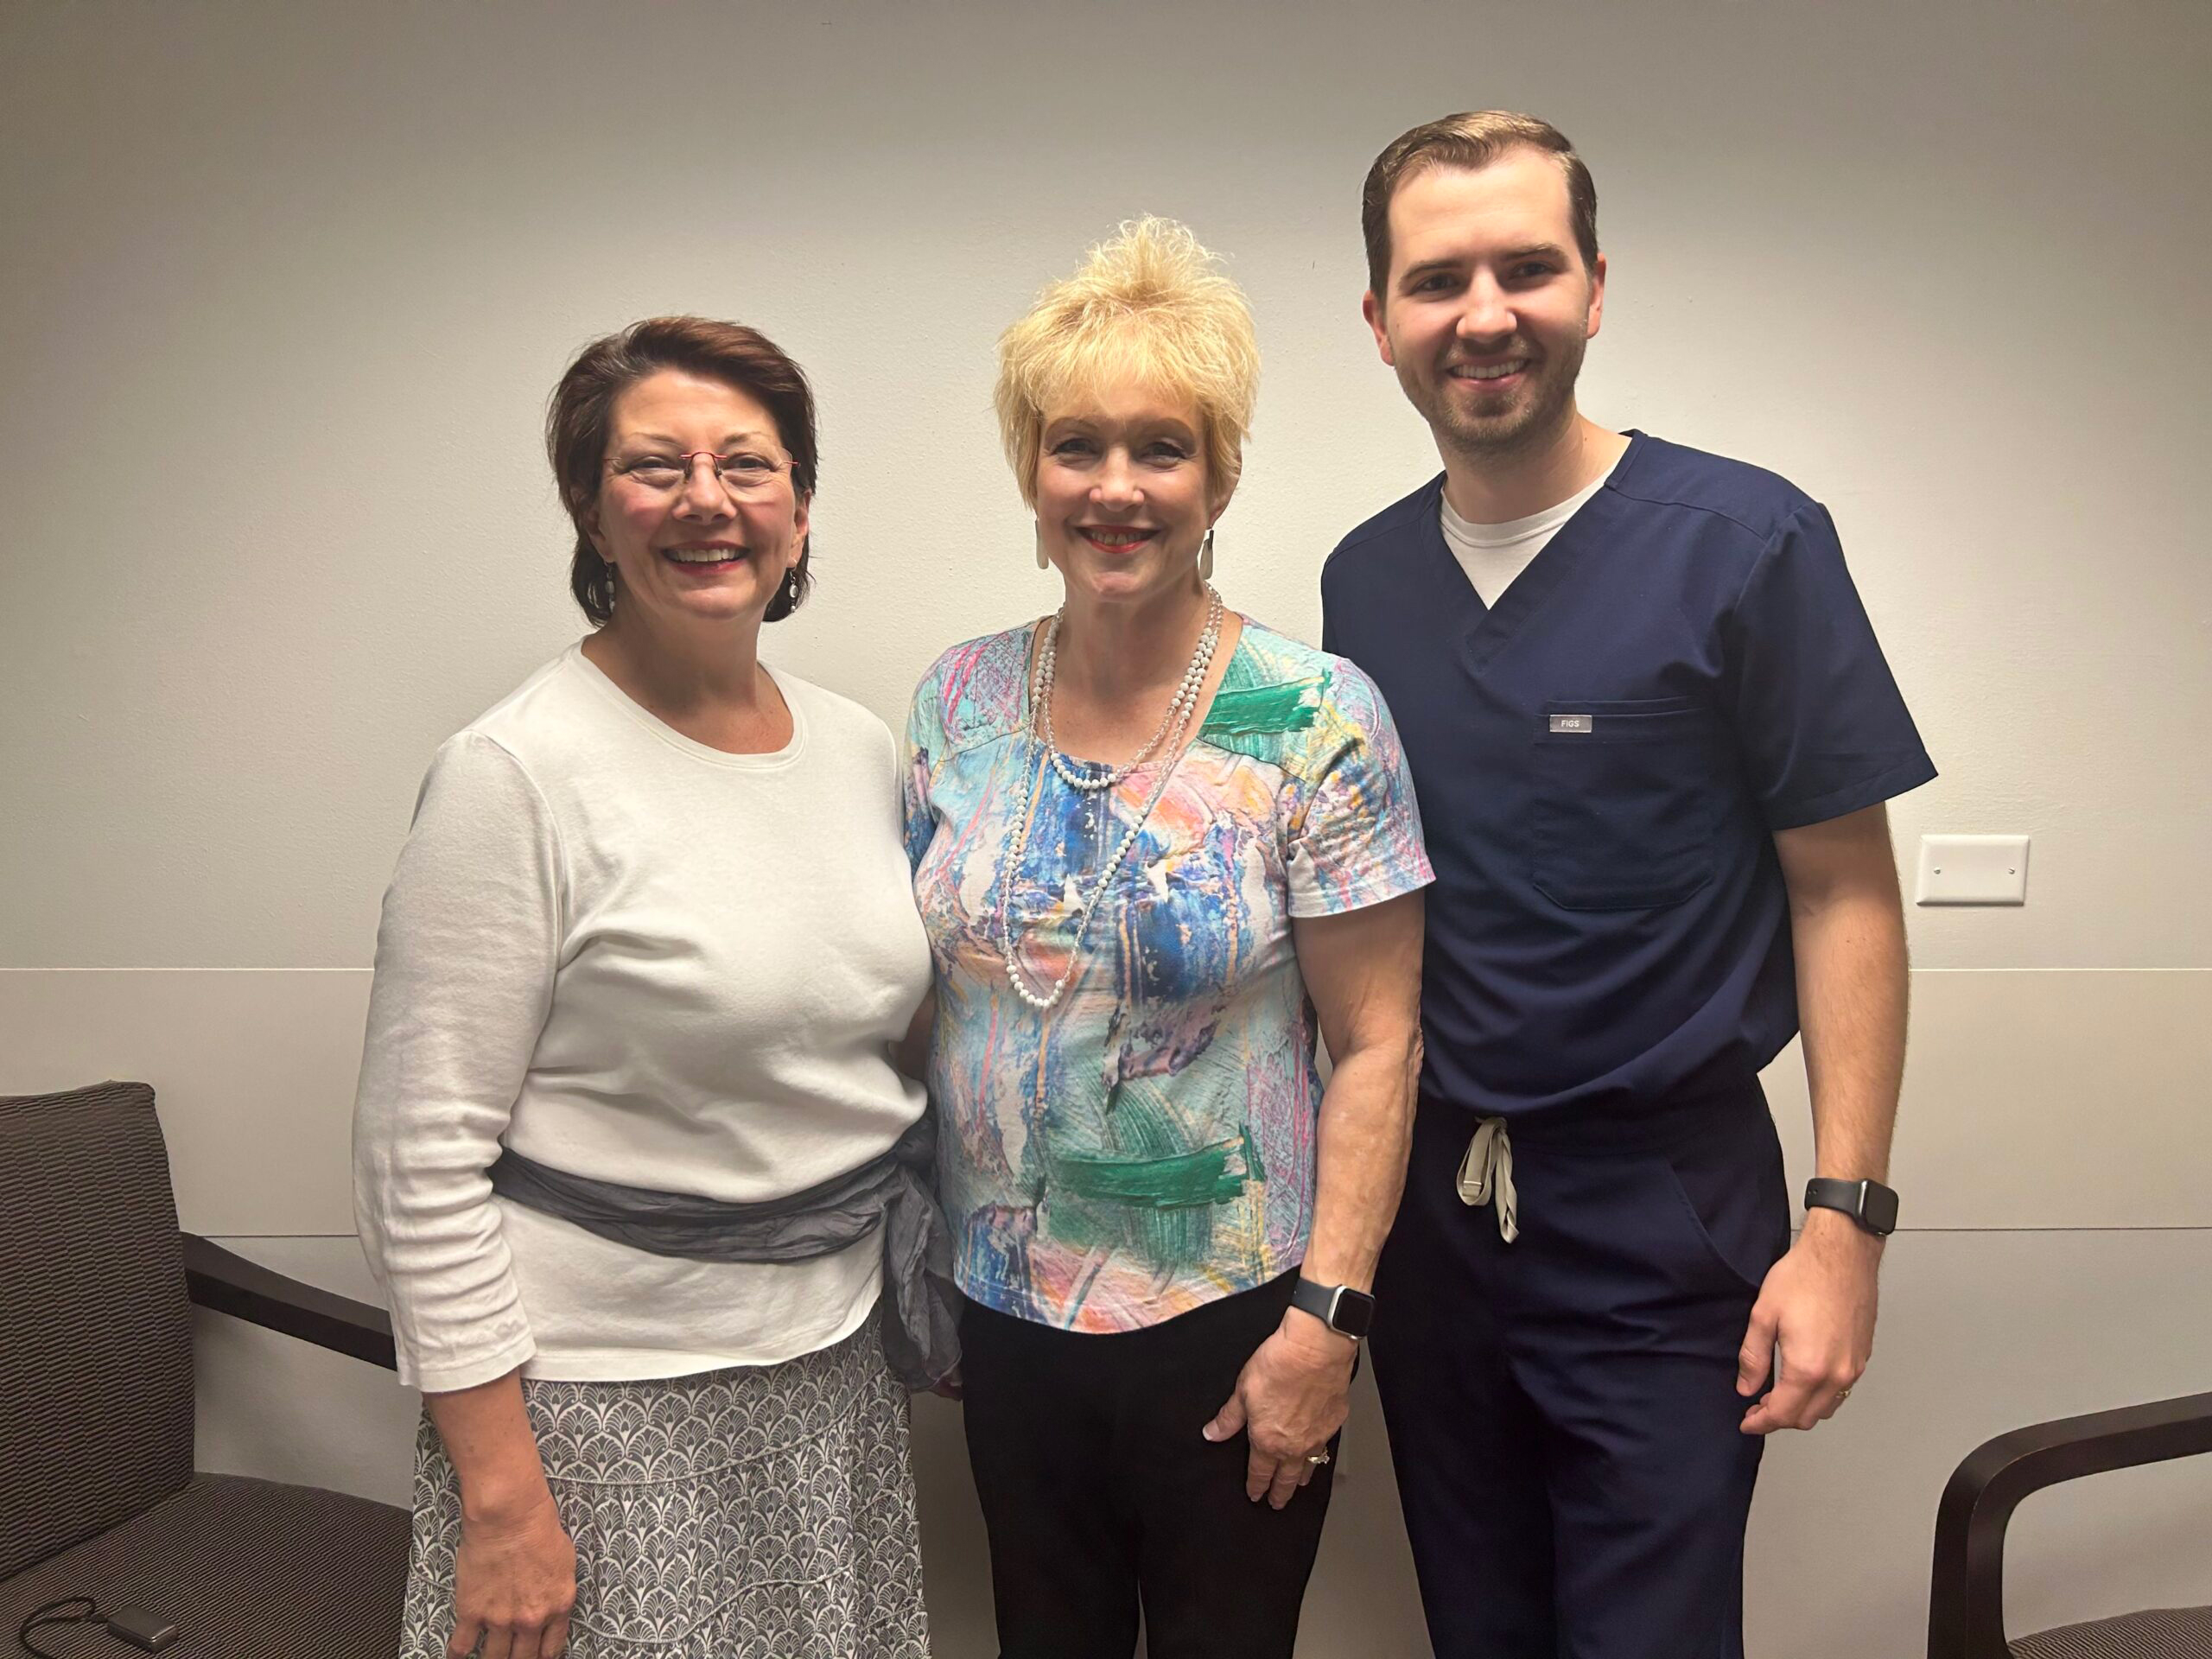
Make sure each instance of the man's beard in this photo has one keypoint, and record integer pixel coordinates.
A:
(1531, 424)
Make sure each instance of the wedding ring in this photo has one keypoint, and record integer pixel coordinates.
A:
(1317, 1458)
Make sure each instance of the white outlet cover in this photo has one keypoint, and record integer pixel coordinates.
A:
(1972, 870)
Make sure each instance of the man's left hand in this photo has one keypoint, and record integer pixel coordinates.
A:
(1293, 1395)
(1817, 1308)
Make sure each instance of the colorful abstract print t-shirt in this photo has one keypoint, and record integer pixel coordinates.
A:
(1147, 1146)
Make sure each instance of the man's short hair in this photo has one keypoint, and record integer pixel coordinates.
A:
(1151, 305)
(1472, 139)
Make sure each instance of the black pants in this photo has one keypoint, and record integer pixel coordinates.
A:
(1562, 1410)
(1100, 1495)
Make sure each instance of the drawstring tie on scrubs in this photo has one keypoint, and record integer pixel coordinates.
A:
(1486, 1176)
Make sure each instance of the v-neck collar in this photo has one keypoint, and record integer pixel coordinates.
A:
(1484, 629)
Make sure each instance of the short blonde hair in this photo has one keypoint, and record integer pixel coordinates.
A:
(1149, 305)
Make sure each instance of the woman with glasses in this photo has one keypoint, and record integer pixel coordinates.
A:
(1158, 847)
(629, 1147)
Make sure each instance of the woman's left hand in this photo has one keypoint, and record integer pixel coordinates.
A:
(1291, 1397)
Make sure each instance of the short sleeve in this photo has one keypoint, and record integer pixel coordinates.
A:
(466, 956)
(1354, 827)
(924, 742)
(1819, 723)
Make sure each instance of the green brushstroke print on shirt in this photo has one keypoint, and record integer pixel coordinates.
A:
(1287, 707)
(1175, 1182)
(1147, 1188)
(1253, 1166)
(1250, 714)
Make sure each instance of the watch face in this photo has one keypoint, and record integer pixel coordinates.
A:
(1877, 1209)
(1354, 1314)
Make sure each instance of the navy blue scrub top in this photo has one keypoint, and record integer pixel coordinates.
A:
(1602, 762)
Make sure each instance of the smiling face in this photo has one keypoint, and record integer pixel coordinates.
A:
(697, 550)
(1489, 307)
(1122, 498)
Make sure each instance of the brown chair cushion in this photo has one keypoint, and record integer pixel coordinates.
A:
(96, 1367)
(248, 1569)
(2165, 1633)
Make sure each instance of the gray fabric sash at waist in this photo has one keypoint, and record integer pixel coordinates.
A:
(921, 1339)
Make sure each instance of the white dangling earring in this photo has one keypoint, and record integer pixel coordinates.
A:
(1205, 557)
(1043, 563)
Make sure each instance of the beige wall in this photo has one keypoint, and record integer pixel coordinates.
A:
(286, 285)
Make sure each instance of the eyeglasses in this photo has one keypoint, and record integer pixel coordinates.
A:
(746, 473)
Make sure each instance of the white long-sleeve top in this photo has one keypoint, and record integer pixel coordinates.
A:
(630, 955)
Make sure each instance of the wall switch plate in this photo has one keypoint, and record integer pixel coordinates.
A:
(1972, 870)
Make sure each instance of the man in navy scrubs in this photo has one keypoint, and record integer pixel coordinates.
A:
(1652, 733)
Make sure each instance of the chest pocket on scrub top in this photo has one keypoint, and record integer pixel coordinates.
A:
(1625, 803)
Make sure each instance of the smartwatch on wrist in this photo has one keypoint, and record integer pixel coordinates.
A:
(1870, 1204)
(1347, 1311)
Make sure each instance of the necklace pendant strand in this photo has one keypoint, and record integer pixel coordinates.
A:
(1179, 707)
(1170, 731)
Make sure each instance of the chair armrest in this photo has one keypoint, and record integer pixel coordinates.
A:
(214, 1278)
(1965, 1602)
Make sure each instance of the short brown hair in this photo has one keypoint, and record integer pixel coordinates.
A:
(1472, 139)
(582, 413)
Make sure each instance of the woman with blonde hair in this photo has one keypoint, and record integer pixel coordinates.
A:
(1157, 848)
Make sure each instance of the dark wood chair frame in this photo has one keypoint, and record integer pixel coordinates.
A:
(216, 1279)
(1966, 1602)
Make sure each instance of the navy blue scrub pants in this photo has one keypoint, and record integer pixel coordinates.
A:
(1562, 1410)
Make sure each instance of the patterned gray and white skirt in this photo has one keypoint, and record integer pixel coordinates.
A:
(761, 1512)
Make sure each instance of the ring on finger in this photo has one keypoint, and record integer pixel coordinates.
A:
(1317, 1458)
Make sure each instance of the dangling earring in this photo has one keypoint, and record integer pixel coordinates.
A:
(1205, 557)
(1043, 563)
(791, 586)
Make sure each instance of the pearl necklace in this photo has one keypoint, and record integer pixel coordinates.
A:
(1178, 708)
(1170, 730)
